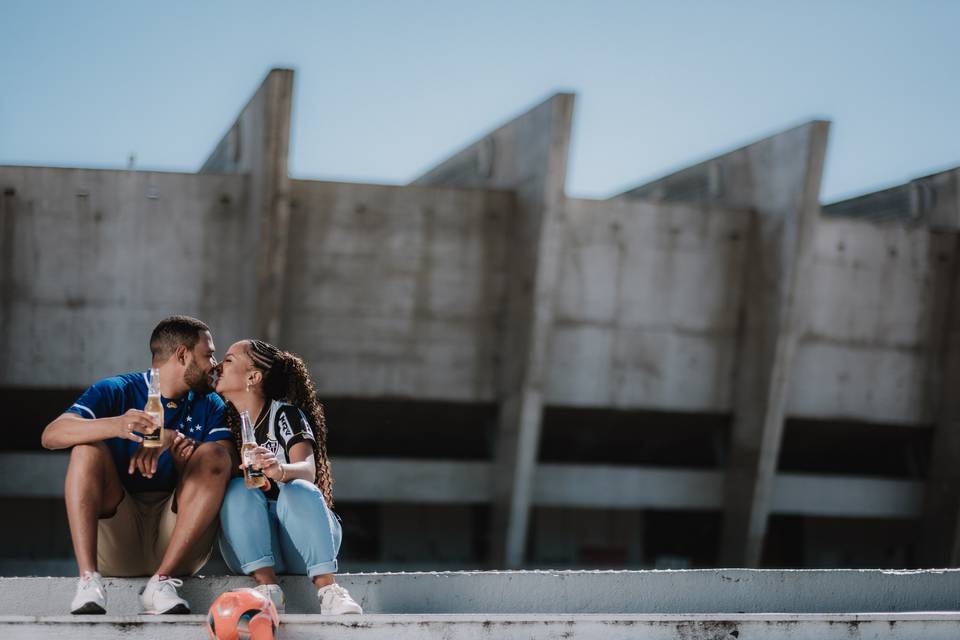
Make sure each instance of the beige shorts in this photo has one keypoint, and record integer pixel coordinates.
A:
(132, 541)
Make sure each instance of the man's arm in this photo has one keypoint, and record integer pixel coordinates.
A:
(69, 429)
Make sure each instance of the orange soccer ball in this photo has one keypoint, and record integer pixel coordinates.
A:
(242, 614)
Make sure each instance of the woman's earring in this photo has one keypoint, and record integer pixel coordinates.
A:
(248, 386)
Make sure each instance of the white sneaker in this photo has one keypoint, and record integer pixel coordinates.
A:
(91, 597)
(335, 600)
(160, 596)
(275, 593)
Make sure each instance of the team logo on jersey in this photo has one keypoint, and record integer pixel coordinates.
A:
(272, 445)
(286, 431)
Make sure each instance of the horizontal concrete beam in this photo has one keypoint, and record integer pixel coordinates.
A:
(921, 626)
(848, 496)
(932, 200)
(589, 486)
(728, 591)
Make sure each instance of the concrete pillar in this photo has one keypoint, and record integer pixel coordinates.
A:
(257, 145)
(940, 528)
(8, 196)
(779, 178)
(528, 155)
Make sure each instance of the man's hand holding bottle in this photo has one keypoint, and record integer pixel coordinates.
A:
(145, 459)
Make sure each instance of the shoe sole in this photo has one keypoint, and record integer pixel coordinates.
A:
(90, 608)
(178, 609)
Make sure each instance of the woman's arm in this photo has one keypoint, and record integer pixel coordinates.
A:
(300, 467)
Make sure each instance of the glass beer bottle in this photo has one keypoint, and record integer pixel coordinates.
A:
(252, 476)
(154, 408)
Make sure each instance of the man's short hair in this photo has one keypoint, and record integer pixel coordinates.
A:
(173, 332)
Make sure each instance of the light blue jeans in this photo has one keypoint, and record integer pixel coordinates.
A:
(296, 534)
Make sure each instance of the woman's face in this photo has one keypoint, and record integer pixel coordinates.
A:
(234, 371)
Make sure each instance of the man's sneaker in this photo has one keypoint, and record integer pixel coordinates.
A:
(160, 596)
(275, 593)
(334, 600)
(91, 596)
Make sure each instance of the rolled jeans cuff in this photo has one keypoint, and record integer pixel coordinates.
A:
(259, 563)
(322, 568)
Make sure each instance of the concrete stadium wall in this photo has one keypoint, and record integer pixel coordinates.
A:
(91, 260)
(876, 320)
(648, 306)
(398, 291)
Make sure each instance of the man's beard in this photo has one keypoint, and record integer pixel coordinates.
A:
(196, 379)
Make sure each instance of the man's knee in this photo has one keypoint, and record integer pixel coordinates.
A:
(92, 454)
(91, 471)
(211, 458)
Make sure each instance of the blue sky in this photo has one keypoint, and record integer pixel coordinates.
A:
(385, 89)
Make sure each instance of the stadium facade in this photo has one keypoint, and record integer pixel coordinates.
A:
(711, 369)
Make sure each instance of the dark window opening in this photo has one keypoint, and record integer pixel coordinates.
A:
(856, 448)
(633, 437)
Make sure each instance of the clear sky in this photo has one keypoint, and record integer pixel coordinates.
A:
(386, 89)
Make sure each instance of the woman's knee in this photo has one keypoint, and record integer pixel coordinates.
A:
(299, 495)
(238, 500)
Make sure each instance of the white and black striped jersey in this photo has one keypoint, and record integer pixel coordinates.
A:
(285, 426)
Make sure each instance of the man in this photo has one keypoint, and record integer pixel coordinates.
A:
(138, 511)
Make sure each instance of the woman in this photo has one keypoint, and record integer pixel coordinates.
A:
(288, 527)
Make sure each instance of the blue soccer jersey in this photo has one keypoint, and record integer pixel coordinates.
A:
(200, 417)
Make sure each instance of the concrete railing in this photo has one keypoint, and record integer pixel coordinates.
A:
(728, 591)
(728, 604)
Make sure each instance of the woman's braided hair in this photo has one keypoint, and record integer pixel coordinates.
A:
(285, 378)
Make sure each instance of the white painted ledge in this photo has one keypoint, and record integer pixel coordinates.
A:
(714, 591)
(40, 475)
(919, 626)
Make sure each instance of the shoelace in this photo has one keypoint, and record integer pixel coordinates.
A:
(90, 581)
(87, 587)
(174, 582)
(335, 590)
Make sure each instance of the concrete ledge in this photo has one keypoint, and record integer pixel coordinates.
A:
(726, 591)
(555, 485)
(924, 626)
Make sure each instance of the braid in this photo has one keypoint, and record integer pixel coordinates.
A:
(233, 421)
(301, 393)
(285, 378)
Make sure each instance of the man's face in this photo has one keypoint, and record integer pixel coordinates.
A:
(200, 364)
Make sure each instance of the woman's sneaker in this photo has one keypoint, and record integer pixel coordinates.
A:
(91, 598)
(160, 596)
(275, 593)
(335, 600)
